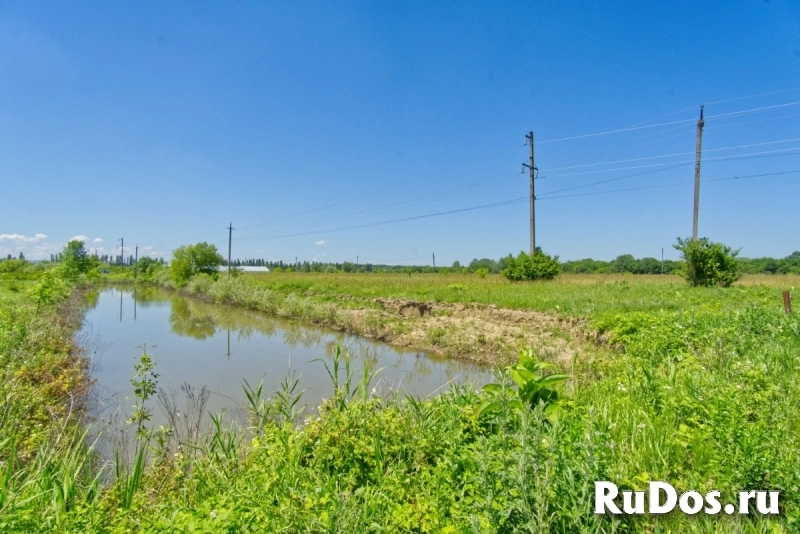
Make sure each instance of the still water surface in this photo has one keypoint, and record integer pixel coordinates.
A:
(219, 347)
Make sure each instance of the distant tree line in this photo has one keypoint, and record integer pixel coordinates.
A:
(106, 258)
(624, 263)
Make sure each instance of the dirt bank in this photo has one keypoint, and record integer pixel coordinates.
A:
(468, 331)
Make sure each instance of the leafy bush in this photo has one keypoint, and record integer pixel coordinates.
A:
(51, 289)
(534, 388)
(538, 266)
(194, 259)
(708, 264)
(13, 266)
(77, 260)
(200, 284)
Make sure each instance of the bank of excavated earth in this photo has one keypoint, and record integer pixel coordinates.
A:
(483, 333)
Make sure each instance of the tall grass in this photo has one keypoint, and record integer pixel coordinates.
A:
(704, 402)
(575, 295)
(701, 392)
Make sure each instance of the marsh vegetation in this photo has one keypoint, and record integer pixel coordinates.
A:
(695, 386)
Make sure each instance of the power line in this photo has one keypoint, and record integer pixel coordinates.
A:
(755, 122)
(627, 141)
(683, 121)
(740, 156)
(339, 216)
(403, 219)
(672, 155)
(781, 91)
(668, 185)
(693, 107)
(514, 201)
(681, 164)
(754, 110)
(684, 164)
(500, 203)
(525, 199)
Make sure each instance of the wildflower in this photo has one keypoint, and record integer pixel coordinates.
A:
(213, 514)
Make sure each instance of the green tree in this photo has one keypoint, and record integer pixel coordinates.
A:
(625, 263)
(77, 260)
(537, 266)
(148, 267)
(188, 261)
(483, 263)
(708, 264)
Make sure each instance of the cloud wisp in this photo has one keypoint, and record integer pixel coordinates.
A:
(20, 239)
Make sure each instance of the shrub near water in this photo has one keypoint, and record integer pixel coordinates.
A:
(708, 264)
(536, 266)
(242, 292)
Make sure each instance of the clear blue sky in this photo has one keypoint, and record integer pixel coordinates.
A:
(161, 122)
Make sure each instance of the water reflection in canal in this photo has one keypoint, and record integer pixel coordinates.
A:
(219, 347)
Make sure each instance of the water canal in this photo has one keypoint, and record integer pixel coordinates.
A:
(219, 347)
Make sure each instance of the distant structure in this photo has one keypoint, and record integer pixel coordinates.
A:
(245, 269)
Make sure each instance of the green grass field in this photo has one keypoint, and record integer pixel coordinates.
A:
(700, 389)
(577, 295)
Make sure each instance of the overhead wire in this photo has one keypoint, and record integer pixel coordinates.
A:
(739, 156)
(683, 121)
(668, 185)
(403, 219)
(738, 98)
(370, 194)
(714, 126)
(544, 196)
(676, 165)
(728, 100)
(749, 145)
(429, 198)
(516, 201)
(637, 127)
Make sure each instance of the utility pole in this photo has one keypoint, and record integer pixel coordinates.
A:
(136, 264)
(230, 238)
(662, 260)
(434, 262)
(356, 262)
(122, 254)
(700, 124)
(532, 172)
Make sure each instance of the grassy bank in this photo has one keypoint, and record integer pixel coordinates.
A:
(575, 295)
(701, 392)
(483, 319)
(45, 468)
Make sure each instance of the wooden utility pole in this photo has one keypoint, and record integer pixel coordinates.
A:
(532, 170)
(122, 254)
(434, 262)
(698, 148)
(136, 264)
(230, 238)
